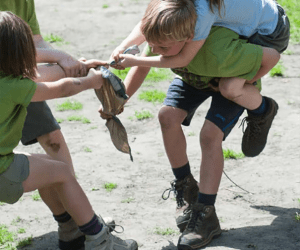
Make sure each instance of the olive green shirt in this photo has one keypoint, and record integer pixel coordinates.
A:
(24, 9)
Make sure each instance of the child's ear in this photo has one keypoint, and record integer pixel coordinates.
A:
(191, 38)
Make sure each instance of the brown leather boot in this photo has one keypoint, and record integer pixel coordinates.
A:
(258, 126)
(202, 227)
(186, 193)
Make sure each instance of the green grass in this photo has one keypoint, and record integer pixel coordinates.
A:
(78, 118)
(128, 200)
(230, 154)
(59, 120)
(36, 196)
(51, 38)
(24, 242)
(87, 149)
(152, 96)
(165, 231)
(21, 231)
(278, 70)
(69, 105)
(110, 186)
(105, 6)
(142, 115)
(297, 217)
(154, 75)
(292, 8)
(5, 236)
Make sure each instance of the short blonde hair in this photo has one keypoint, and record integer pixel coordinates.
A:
(17, 50)
(169, 20)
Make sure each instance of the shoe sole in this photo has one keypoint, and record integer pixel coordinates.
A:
(214, 234)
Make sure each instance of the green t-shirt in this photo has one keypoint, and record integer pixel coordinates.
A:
(24, 9)
(222, 55)
(15, 95)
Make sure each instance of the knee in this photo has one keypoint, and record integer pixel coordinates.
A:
(52, 140)
(166, 118)
(229, 89)
(211, 137)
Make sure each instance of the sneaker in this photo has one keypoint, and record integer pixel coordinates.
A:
(203, 226)
(256, 133)
(186, 193)
(104, 240)
(71, 238)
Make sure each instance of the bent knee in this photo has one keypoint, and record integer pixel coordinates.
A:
(170, 117)
(231, 88)
(211, 136)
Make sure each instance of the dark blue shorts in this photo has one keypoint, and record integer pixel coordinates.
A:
(222, 112)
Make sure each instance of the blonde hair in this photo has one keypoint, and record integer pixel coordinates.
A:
(217, 3)
(17, 50)
(169, 20)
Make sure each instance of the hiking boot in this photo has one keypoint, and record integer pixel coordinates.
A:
(186, 193)
(71, 238)
(104, 240)
(203, 226)
(258, 126)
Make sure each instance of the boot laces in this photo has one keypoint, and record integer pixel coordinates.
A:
(178, 193)
(196, 219)
(253, 125)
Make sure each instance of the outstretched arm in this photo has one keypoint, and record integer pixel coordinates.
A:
(47, 54)
(67, 86)
(134, 38)
(182, 59)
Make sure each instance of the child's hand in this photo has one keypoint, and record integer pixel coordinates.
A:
(95, 78)
(115, 54)
(127, 60)
(94, 63)
(71, 66)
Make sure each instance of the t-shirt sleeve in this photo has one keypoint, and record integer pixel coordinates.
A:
(24, 91)
(205, 20)
(32, 19)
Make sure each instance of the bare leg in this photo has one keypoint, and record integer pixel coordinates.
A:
(212, 162)
(174, 140)
(46, 173)
(236, 90)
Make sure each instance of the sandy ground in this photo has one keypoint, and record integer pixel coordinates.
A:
(261, 218)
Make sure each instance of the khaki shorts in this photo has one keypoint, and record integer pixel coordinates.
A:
(11, 180)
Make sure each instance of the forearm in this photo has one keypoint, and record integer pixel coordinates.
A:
(134, 38)
(48, 55)
(134, 79)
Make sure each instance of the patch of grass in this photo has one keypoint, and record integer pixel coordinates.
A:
(5, 236)
(154, 75)
(24, 242)
(21, 231)
(93, 127)
(288, 52)
(128, 200)
(165, 231)
(297, 217)
(59, 120)
(51, 38)
(69, 105)
(292, 8)
(95, 189)
(2, 203)
(192, 133)
(78, 118)
(278, 70)
(142, 115)
(87, 149)
(110, 186)
(230, 154)
(152, 96)
(36, 196)
(16, 221)
(105, 6)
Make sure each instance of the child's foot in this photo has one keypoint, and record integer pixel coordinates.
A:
(186, 193)
(203, 226)
(104, 240)
(258, 126)
(71, 238)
